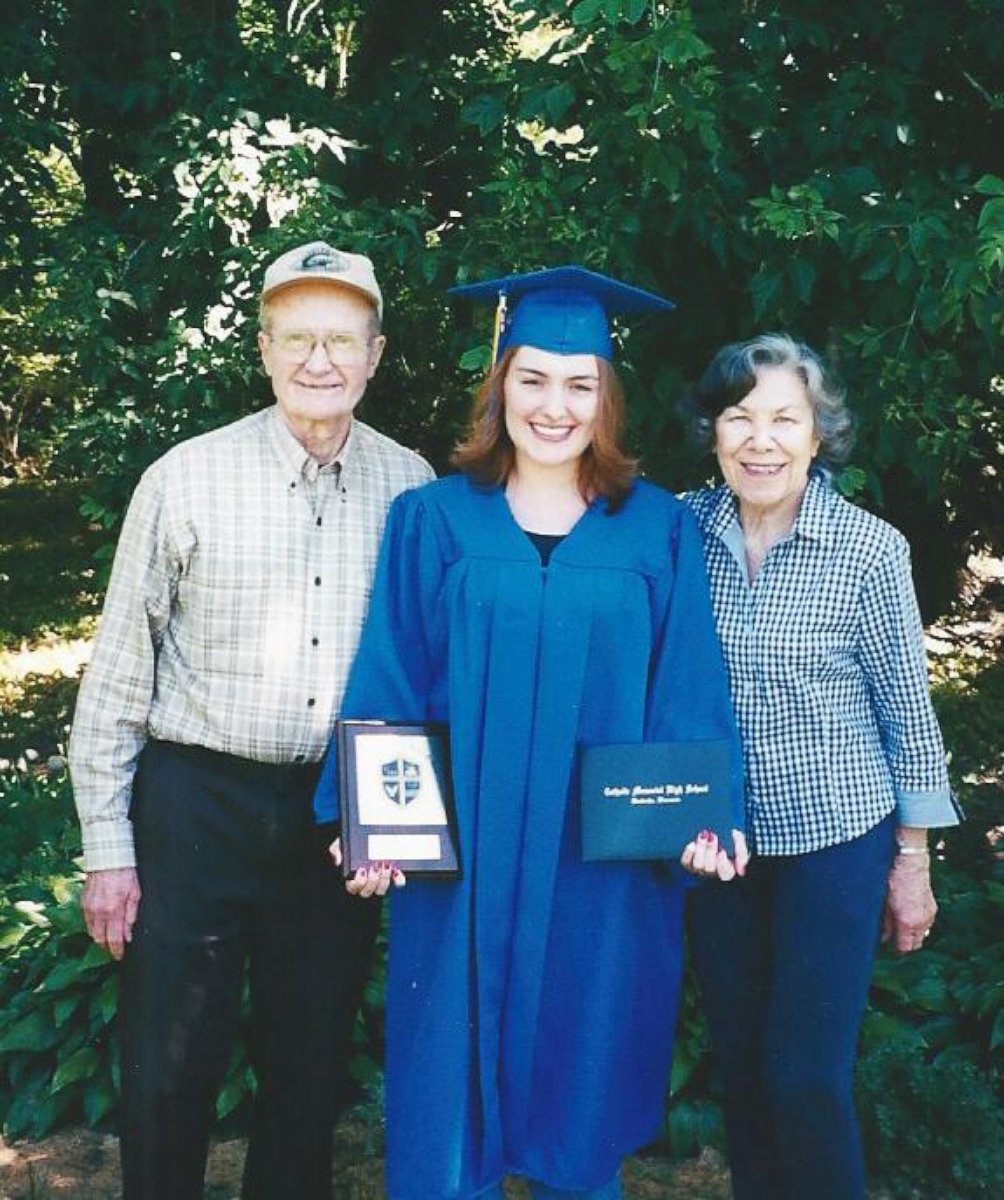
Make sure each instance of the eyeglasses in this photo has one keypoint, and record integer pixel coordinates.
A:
(342, 349)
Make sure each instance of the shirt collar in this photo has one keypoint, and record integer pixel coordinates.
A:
(813, 515)
(724, 512)
(296, 458)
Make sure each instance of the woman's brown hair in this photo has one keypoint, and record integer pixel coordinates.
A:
(487, 455)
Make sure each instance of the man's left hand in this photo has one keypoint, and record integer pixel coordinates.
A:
(110, 903)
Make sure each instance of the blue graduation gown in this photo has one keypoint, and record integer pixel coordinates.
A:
(531, 1004)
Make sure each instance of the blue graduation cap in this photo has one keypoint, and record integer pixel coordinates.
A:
(565, 310)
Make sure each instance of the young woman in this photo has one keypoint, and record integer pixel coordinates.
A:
(540, 600)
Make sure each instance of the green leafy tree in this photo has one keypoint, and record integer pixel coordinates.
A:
(768, 165)
(781, 165)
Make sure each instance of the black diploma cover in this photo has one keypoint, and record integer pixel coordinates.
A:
(396, 794)
(648, 800)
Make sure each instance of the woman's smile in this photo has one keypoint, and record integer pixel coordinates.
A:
(552, 433)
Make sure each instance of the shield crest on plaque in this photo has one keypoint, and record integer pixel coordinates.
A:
(402, 780)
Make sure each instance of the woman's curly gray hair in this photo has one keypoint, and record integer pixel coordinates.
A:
(732, 374)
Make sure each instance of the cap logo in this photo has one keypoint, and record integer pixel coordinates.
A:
(325, 260)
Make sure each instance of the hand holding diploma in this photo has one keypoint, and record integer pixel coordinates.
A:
(704, 856)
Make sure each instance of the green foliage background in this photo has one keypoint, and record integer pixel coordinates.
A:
(832, 170)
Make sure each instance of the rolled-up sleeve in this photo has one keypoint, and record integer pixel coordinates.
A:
(893, 659)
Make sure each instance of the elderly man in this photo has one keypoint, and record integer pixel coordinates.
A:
(235, 604)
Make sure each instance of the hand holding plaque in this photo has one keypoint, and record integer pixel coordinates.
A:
(397, 799)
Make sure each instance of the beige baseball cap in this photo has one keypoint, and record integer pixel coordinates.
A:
(319, 261)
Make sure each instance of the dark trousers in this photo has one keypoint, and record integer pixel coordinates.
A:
(783, 959)
(234, 872)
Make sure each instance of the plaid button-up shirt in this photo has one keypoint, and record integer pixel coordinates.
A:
(826, 664)
(236, 601)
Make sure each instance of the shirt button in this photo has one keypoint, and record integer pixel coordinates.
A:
(298, 758)
(315, 641)
(311, 702)
(317, 580)
(318, 521)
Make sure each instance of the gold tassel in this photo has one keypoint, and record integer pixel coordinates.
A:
(500, 312)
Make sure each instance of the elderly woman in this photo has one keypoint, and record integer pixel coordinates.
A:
(540, 600)
(845, 770)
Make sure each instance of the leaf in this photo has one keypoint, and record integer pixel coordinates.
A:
(32, 911)
(120, 297)
(989, 185)
(850, 481)
(992, 215)
(764, 288)
(487, 112)
(558, 100)
(363, 1069)
(803, 275)
(233, 1092)
(932, 995)
(46, 1114)
(586, 11)
(81, 1064)
(633, 10)
(862, 179)
(12, 936)
(716, 242)
(64, 974)
(997, 1033)
(65, 1006)
(33, 1032)
(107, 999)
(684, 1066)
(878, 1029)
(878, 269)
(68, 918)
(99, 1100)
(96, 956)
(476, 359)
(21, 1112)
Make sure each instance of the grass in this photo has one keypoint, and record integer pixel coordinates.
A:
(50, 593)
(50, 582)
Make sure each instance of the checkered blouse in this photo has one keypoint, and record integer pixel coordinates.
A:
(826, 664)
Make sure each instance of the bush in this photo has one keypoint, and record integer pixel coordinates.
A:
(931, 1129)
(950, 996)
(58, 1001)
(57, 990)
